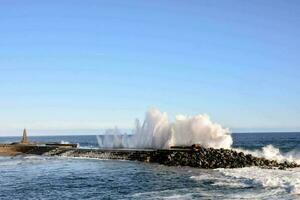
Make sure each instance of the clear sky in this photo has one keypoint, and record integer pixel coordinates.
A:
(74, 65)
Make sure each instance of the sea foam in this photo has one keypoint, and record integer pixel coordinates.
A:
(288, 180)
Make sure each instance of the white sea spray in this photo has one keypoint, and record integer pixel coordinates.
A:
(158, 132)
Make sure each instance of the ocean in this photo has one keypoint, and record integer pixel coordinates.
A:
(37, 177)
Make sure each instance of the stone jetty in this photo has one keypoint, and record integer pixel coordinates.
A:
(192, 156)
(200, 157)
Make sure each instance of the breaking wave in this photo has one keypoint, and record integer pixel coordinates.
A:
(271, 153)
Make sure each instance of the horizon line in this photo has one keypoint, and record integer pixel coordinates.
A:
(94, 134)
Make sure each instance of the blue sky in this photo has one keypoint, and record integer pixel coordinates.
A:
(71, 65)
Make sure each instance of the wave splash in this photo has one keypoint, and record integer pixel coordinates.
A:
(271, 153)
(158, 132)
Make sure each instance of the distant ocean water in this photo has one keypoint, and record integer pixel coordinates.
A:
(35, 177)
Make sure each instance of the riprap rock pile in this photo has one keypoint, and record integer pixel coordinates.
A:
(194, 156)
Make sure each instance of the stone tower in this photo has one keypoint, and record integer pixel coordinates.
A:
(24, 138)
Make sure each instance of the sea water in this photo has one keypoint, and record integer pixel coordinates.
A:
(37, 177)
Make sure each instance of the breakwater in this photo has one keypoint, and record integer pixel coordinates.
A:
(199, 157)
(194, 156)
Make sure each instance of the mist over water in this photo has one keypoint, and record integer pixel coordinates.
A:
(157, 131)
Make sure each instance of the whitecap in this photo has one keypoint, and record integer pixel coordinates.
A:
(288, 180)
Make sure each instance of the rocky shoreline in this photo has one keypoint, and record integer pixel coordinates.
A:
(207, 158)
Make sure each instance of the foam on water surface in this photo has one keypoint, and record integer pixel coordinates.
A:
(288, 180)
